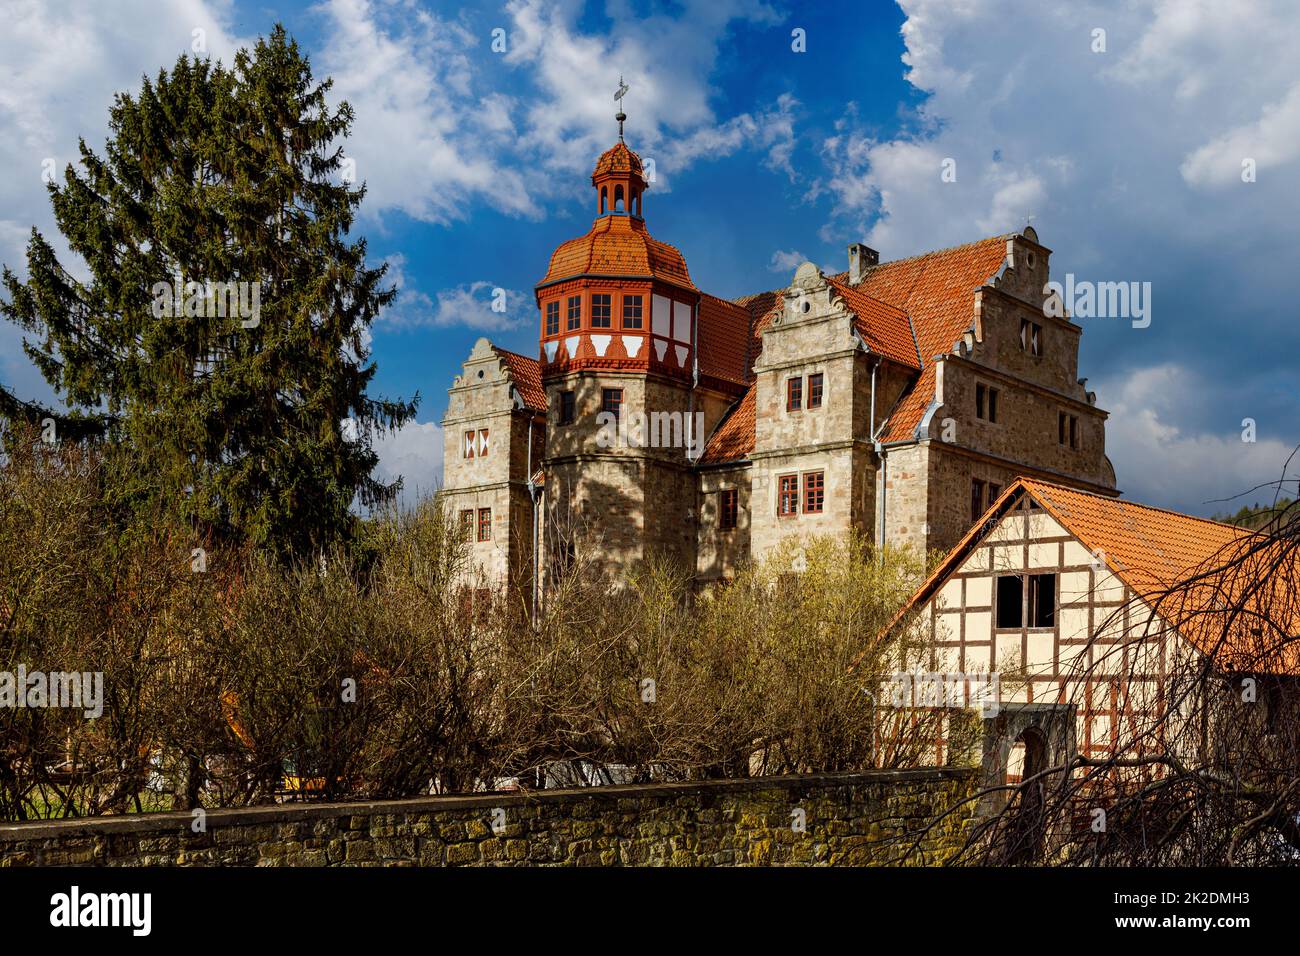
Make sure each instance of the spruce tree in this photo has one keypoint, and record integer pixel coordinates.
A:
(222, 334)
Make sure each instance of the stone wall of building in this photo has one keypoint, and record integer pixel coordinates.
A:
(848, 819)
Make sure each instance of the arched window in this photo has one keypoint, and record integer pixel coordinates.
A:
(618, 198)
(604, 199)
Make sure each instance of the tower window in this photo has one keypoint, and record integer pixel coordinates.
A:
(575, 311)
(467, 523)
(814, 492)
(986, 402)
(631, 312)
(566, 408)
(600, 311)
(793, 394)
(552, 318)
(470, 444)
(815, 386)
(611, 400)
(787, 505)
(728, 508)
(976, 499)
(618, 198)
(485, 524)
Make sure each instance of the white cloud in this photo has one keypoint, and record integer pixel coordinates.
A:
(414, 454)
(786, 260)
(1158, 462)
(426, 138)
(1272, 140)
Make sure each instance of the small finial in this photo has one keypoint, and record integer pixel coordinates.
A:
(620, 115)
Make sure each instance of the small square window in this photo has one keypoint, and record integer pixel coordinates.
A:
(815, 386)
(631, 312)
(566, 408)
(787, 505)
(814, 492)
(575, 312)
(552, 318)
(728, 508)
(793, 394)
(485, 524)
(611, 400)
(600, 311)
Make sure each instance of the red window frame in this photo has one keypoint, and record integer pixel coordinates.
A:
(814, 492)
(485, 524)
(611, 400)
(787, 498)
(816, 386)
(467, 522)
(794, 394)
(469, 444)
(633, 315)
(552, 317)
(728, 508)
(575, 312)
(602, 310)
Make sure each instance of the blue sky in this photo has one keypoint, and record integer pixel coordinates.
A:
(1128, 158)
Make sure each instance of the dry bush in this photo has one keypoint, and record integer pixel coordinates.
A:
(389, 671)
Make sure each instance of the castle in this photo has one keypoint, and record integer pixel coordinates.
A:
(898, 399)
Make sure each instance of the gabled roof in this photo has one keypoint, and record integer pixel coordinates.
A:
(618, 245)
(908, 311)
(1151, 550)
(527, 375)
(937, 291)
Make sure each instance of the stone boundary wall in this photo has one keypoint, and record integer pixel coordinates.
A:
(850, 819)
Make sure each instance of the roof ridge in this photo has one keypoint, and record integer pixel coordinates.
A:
(945, 249)
(521, 355)
(1138, 504)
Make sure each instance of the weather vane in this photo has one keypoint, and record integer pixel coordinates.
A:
(620, 115)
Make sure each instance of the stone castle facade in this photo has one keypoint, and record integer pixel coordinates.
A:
(897, 399)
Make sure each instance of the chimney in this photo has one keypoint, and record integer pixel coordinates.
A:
(860, 258)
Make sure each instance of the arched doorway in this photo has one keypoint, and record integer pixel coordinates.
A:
(1027, 817)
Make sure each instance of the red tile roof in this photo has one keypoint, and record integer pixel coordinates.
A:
(733, 439)
(618, 246)
(724, 340)
(527, 375)
(617, 159)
